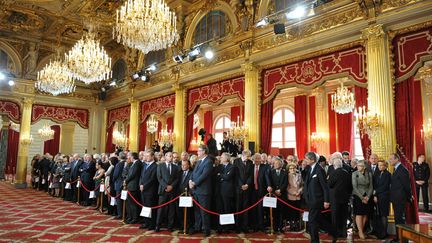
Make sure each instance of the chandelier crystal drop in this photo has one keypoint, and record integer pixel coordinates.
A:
(152, 124)
(368, 122)
(166, 138)
(343, 101)
(238, 133)
(46, 133)
(146, 25)
(55, 78)
(88, 61)
(119, 139)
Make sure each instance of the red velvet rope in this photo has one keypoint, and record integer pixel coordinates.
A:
(298, 209)
(109, 194)
(85, 188)
(155, 207)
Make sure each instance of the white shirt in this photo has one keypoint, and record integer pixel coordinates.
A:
(312, 167)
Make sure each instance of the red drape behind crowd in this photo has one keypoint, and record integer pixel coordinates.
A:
(12, 151)
(235, 114)
(170, 123)
(361, 100)
(417, 117)
(266, 126)
(52, 146)
(345, 132)
(189, 130)
(208, 123)
(109, 146)
(142, 136)
(159, 128)
(312, 118)
(404, 93)
(332, 126)
(300, 112)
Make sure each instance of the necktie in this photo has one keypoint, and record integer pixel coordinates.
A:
(184, 175)
(169, 168)
(146, 166)
(256, 177)
(278, 172)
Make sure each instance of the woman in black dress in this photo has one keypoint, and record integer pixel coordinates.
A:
(382, 192)
(362, 190)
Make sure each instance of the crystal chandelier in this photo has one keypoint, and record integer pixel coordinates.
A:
(88, 60)
(55, 78)
(46, 133)
(343, 100)
(427, 130)
(237, 133)
(166, 137)
(367, 122)
(316, 139)
(425, 74)
(14, 126)
(146, 25)
(152, 124)
(119, 139)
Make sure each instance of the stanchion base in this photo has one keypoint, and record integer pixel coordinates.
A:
(20, 185)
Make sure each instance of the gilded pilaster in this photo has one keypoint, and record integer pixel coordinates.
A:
(96, 130)
(380, 89)
(23, 147)
(252, 104)
(322, 125)
(103, 133)
(133, 129)
(67, 137)
(180, 118)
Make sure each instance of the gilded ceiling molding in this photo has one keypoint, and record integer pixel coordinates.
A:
(14, 55)
(388, 5)
(217, 5)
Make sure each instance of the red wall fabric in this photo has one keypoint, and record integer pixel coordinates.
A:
(404, 92)
(332, 126)
(361, 100)
(52, 146)
(189, 131)
(208, 124)
(312, 118)
(12, 151)
(142, 136)
(345, 132)
(235, 113)
(300, 108)
(170, 123)
(109, 146)
(417, 117)
(159, 128)
(266, 126)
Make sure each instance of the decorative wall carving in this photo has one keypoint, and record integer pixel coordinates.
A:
(11, 110)
(120, 114)
(60, 114)
(157, 106)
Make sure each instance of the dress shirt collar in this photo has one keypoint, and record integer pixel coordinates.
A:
(397, 165)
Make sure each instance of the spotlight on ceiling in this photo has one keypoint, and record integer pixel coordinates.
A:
(103, 89)
(144, 78)
(209, 54)
(151, 67)
(296, 13)
(113, 83)
(11, 83)
(178, 59)
(135, 76)
(193, 54)
(2, 76)
(263, 22)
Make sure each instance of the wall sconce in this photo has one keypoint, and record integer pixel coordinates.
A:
(316, 139)
(27, 140)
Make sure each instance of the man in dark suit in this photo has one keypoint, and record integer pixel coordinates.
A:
(168, 177)
(118, 183)
(76, 164)
(400, 190)
(373, 165)
(201, 185)
(211, 144)
(278, 185)
(45, 168)
(244, 184)
(132, 185)
(261, 181)
(340, 185)
(87, 170)
(226, 187)
(421, 177)
(149, 187)
(317, 197)
(183, 185)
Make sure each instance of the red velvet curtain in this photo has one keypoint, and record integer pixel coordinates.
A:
(52, 146)
(300, 108)
(208, 123)
(12, 151)
(189, 130)
(235, 114)
(266, 126)
(109, 146)
(332, 126)
(159, 127)
(345, 132)
(312, 118)
(170, 123)
(404, 101)
(417, 117)
(361, 100)
(142, 136)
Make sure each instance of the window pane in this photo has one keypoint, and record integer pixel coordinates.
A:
(289, 115)
(358, 151)
(219, 137)
(219, 123)
(277, 134)
(290, 144)
(227, 122)
(277, 117)
(276, 145)
(290, 133)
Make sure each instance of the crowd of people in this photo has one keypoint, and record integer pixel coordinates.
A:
(358, 192)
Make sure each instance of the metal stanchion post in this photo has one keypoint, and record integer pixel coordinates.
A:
(185, 215)
(101, 195)
(79, 187)
(271, 219)
(124, 205)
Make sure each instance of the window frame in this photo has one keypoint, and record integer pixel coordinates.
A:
(284, 125)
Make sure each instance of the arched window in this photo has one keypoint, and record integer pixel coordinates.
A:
(222, 124)
(211, 26)
(155, 57)
(283, 129)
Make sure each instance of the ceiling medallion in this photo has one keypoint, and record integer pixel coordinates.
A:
(146, 25)
(55, 78)
(88, 60)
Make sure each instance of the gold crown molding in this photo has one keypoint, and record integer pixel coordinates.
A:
(393, 33)
(388, 5)
(211, 81)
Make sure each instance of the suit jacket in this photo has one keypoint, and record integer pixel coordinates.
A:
(132, 179)
(211, 144)
(344, 166)
(316, 190)
(117, 176)
(279, 182)
(149, 180)
(165, 178)
(340, 186)
(183, 181)
(201, 176)
(88, 170)
(382, 191)
(75, 169)
(400, 186)
(226, 180)
(263, 179)
(244, 173)
(362, 184)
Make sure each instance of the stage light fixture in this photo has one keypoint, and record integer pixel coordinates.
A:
(11, 83)
(2, 76)
(296, 13)
(144, 78)
(263, 22)
(151, 67)
(209, 54)
(135, 76)
(113, 83)
(178, 59)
